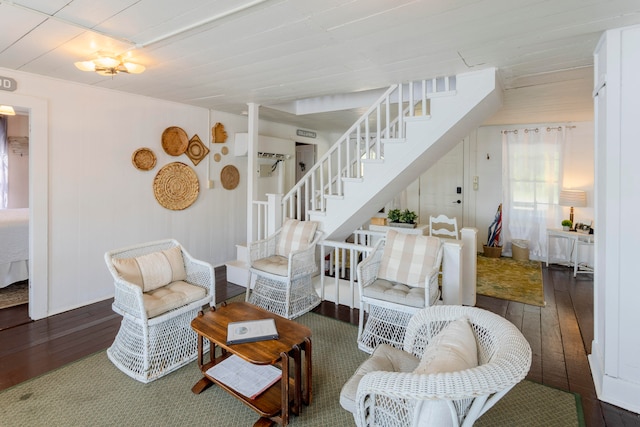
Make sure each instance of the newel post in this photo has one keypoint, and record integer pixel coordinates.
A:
(274, 213)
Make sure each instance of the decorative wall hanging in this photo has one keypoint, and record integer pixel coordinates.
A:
(225, 150)
(218, 134)
(217, 157)
(176, 186)
(174, 141)
(144, 159)
(230, 177)
(196, 150)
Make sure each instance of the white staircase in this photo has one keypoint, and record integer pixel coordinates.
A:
(405, 132)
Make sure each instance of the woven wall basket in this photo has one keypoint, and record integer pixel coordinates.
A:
(174, 141)
(196, 150)
(143, 159)
(230, 177)
(176, 186)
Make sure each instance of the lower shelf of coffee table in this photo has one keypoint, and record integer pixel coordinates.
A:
(268, 404)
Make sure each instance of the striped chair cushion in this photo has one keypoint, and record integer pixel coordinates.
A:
(408, 258)
(295, 235)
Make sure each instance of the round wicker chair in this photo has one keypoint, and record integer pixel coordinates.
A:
(394, 398)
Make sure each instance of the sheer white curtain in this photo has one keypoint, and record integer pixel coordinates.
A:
(4, 164)
(531, 182)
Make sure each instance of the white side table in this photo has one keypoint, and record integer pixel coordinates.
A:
(574, 240)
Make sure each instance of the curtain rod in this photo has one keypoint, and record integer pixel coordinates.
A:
(527, 130)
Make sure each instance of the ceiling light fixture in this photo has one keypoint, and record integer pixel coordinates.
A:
(7, 110)
(108, 64)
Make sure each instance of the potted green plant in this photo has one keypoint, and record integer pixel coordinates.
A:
(566, 224)
(402, 218)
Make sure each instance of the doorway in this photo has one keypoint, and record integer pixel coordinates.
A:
(305, 159)
(440, 189)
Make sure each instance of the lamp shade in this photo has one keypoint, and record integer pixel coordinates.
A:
(573, 198)
(7, 110)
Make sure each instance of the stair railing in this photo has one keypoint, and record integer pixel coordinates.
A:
(384, 121)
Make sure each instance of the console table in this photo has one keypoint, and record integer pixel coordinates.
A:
(574, 240)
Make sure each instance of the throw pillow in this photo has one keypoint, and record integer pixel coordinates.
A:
(154, 270)
(408, 258)
(295, 235)
(453, 349)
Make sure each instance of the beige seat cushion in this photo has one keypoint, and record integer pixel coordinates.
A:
(154, 270)
(275, 264)
(408, 258)
(171, 296)
(395, 292)
(384, 358)
(295, 235)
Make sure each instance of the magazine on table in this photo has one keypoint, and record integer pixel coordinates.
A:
(244, 377)
(251, 331)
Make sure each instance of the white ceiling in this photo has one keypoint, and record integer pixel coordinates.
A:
(221, 54)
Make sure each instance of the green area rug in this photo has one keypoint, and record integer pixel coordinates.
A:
(509, 279)
(92, 392)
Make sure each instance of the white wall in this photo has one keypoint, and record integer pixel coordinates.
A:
(89, 197)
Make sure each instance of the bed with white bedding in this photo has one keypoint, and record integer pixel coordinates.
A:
(14, 246)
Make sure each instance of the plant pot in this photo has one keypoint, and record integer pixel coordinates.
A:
(492, 251)
(402, 225)
(566, 228)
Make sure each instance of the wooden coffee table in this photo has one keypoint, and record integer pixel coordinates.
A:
(286, 395)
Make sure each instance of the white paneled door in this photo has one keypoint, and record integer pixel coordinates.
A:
(441, 187)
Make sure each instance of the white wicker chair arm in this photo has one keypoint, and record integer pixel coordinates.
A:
(128, 299)
(200, 273)
(263, 248)
(367, 269)
(303, 262)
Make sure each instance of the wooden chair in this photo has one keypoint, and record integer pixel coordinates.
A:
(440, 377)
(397, 279)
(159, 289)
(443, 226)
(283, 265)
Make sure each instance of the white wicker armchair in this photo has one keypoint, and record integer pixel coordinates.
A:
(155, 336)
(394, 397)
(283, 265)
(398, 278)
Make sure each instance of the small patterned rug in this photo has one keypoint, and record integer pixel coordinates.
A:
(92, 391)
(510, 279)
(14, 294)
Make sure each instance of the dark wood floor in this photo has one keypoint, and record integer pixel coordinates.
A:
(560, 336)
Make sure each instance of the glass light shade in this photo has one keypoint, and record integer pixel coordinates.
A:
(85, 65)
(105, 61)
(7, 110)
(133, 68)
(573, 198)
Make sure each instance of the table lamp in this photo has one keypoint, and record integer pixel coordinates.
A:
(573, 198)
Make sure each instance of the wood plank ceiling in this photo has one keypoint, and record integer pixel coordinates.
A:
(221, 54)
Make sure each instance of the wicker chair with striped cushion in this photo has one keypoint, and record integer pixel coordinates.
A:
(282, 266)
(397, 279)
(159, 289)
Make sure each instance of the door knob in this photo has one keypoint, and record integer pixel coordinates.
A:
(458, 201)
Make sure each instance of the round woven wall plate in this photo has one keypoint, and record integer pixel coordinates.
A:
(176, 186)
(230, 177)
(143, 159)
(174, 141)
